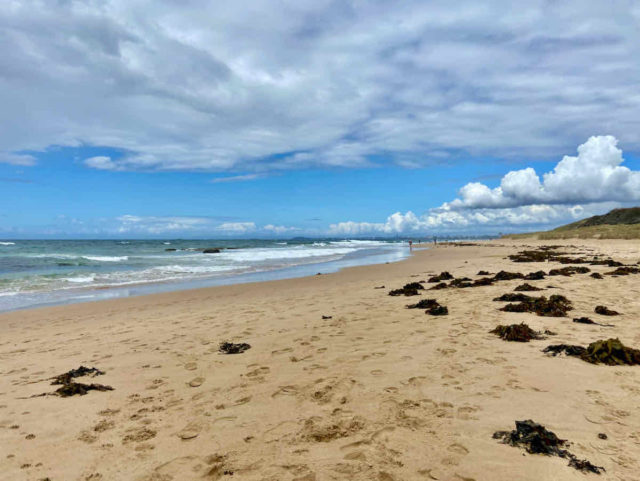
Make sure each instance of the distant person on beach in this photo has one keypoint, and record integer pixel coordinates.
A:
(435, 240)
(410, 245)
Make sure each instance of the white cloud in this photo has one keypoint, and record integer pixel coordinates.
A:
(181, 85)
(238, 178)
(101, 162)
(594, 175)
(17, 159)
(237, 227)
(161, 225)
(279, 229)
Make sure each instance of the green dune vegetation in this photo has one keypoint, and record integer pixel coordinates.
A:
(617, 224)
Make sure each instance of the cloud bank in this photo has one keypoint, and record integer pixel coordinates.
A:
(579, 186)
(220, 86)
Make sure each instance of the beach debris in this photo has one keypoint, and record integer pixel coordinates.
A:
(231, 348)
(483, 281)
(527, 287)
(483, 273)
(511, 297)
(379, 287)
(623, 271)
(535, 276)
(78, 388)
(460, 282)
(569, 271)
(554, 306)
(212, 250)
(410, 289)
(602, 436)
(73, 373)
(597, 275)
(606, 262)
(508, 276)
(584, 320)
(72, 388)
(443, 276)
(424, 304)
(327, 317)
(442, 285)
(437, 311)
(516, 332)
(536, 439)
(605, 311)
(610, 352)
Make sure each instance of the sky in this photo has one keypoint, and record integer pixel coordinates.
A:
(165, 118)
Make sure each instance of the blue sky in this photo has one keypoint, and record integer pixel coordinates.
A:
(140, 119)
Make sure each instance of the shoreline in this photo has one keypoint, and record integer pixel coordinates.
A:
(341, 380)
(73, 295)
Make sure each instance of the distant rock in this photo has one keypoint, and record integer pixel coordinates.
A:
(212, 250)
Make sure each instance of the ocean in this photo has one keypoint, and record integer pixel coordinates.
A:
(47, 272)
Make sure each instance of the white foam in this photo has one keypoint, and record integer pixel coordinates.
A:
(106, 258)
(79, 279)
(7, 243)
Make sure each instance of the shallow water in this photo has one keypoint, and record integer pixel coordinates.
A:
(52, 272)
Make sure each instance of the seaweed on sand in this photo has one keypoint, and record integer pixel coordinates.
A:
(71, 388)
(526, 287)
(441, 285)
(460, 282)
(410, 289)
(597, 275)
(483, 273)
(555, 306)
(231, 348)
(605, 311)
(610, 352)
(535, 276)
(483, 281)
(516, 332)
(623, 271)
(536, 439)
(507, 276)
(424, 304)
(438, 311)
(568, 271)
(511, 297)
(443, 276)
(73, 373)
(586, 320)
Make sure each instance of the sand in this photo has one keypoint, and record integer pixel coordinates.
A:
(375, 392)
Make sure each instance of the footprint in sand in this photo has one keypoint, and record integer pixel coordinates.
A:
(190, 431)
(191, 366)
(196, 382)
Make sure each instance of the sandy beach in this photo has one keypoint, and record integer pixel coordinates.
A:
(342, 381)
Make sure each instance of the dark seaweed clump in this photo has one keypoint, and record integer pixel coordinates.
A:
(507, 276)
(555, 306)
(231, 348)
(424, 304)
(443, 276)
(568, 271)
(535, 276)
(73, 373)
(483, 281)
(605, 311)
(610, 352)
(438, 311)
(511, 297)
(526, 287)
(410, 289)
(623, 271)
(441, 285)
(516, 332)
(536, 439)
(597, 275)
(483, 273)
(583, 320)
(72, 388)
(460, 282)
(606, 262)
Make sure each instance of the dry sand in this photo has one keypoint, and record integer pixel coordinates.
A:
(376, 392)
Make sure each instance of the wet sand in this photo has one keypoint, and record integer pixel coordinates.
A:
(372, 391)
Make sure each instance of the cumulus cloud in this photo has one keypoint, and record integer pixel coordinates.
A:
(101, 162)
(279, 229)
(181, 85)
(237, 227)
(594, 175)
(17, 159)
(590, 183)
(160, 225)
